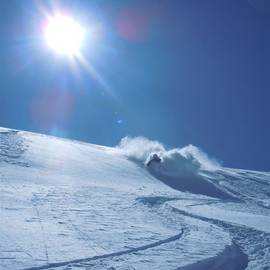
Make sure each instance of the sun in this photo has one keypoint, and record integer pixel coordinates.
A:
(64, 35)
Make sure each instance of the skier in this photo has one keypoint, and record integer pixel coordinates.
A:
(155, 158)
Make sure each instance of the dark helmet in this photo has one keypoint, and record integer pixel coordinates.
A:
(156, 157)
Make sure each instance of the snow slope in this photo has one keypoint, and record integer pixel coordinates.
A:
(71, 205)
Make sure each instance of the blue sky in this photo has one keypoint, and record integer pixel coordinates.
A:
(179, 72)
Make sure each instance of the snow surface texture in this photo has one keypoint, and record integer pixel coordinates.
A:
(71, 205)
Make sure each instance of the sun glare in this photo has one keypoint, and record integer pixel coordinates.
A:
(64, 35)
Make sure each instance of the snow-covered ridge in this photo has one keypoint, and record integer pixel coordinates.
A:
(71, 205)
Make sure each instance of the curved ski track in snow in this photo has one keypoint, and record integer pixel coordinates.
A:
(113, 254)
(254, 252)
(231, 258)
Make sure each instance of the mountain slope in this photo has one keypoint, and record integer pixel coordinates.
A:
(72, 205)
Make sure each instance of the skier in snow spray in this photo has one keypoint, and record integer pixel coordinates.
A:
(154, 158)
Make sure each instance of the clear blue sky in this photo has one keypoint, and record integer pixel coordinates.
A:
(181, 72)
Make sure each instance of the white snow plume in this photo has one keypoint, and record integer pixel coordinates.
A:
(140, 148)
(197, 156)
(178, 161)
(179, 168)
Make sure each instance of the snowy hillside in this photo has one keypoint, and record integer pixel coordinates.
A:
(71, 205)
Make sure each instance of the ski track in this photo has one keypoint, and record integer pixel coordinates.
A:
(254, 243)
(35, 205)
(114, 254)
(232, 258)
